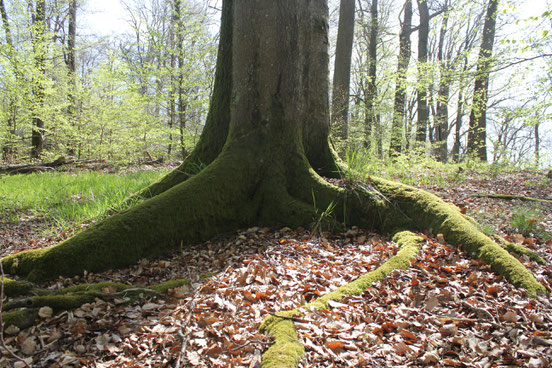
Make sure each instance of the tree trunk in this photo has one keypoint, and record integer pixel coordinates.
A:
(38, 37)
(477, 133)
(397, 130)
(342, 69)
(71, 71)
(537, 144)
(371, 121)
(263, 175)
(441, 124)
(423, 110)
(7, 150)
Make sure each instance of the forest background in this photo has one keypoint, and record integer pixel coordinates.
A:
(132, 82)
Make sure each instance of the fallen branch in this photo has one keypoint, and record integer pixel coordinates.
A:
(512, 197)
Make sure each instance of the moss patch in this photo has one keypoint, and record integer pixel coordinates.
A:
(286, 349)
(75, 296)
(15, 288)
(521, 250)
(428, 212)
(20, 318)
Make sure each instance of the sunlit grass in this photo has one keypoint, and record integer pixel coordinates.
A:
(66, 200)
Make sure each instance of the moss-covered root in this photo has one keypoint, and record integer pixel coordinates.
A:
(286, 350)
(15, 288)
(22, 313)
(22, 318)
(512, 197)
(193, 211)
(521, 250)
(429, 212)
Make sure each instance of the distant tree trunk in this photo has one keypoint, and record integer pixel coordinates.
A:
(182, 102)
(423, 110)
(372, 91)
(477, 133)
(7, 150)
(537, 145)
(173, 87)
(397, 129)
(71, 67)
(441, 125)
(342, 69)
(38, 38)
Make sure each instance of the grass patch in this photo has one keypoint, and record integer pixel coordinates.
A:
(408, 169)
(66, 200)
(527, 221)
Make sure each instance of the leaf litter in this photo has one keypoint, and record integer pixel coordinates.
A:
(446, 310)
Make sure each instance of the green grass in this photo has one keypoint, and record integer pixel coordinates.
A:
(527, 222)
(408, 169)
(66, 200)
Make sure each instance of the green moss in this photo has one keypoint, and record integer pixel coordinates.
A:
(192, 211)
(206, 275)
(20, 318)
(286, 350)
(75, 296)
(409, 244)
(167, 285)
(15, 288)
(513, 196)
(429, 212)
(521, 250)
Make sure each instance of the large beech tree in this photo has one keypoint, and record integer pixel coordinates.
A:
(264, 149)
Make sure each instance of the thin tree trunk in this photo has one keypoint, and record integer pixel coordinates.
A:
(342, 69)
(477, 134)
(397, 130)
(7, 150)
(71, 68)
(38, 37)
(441, 125)
(372, 91)
(182, 101)
(423, 110)
(537, 145)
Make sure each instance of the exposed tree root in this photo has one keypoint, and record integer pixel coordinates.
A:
(513, 196)
(521, 250)
(22, 312)
(430, 213)
(286, 350)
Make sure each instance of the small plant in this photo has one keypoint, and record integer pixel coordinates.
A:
(321, 217)
(528, 222)
(196, 168)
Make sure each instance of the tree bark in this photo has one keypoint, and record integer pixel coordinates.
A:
(477, 133)
(38, 37)
(371, 118)
(342, 69)
(423, 110)
(7, 150)
(71, 72)
(397, 130)
(441, 124)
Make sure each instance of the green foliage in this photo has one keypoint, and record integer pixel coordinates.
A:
(119, 106)
(408, 169)
(66, 200)
(527, 221)
(321, 217)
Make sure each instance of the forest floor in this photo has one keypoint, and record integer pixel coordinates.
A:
(446, 310)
